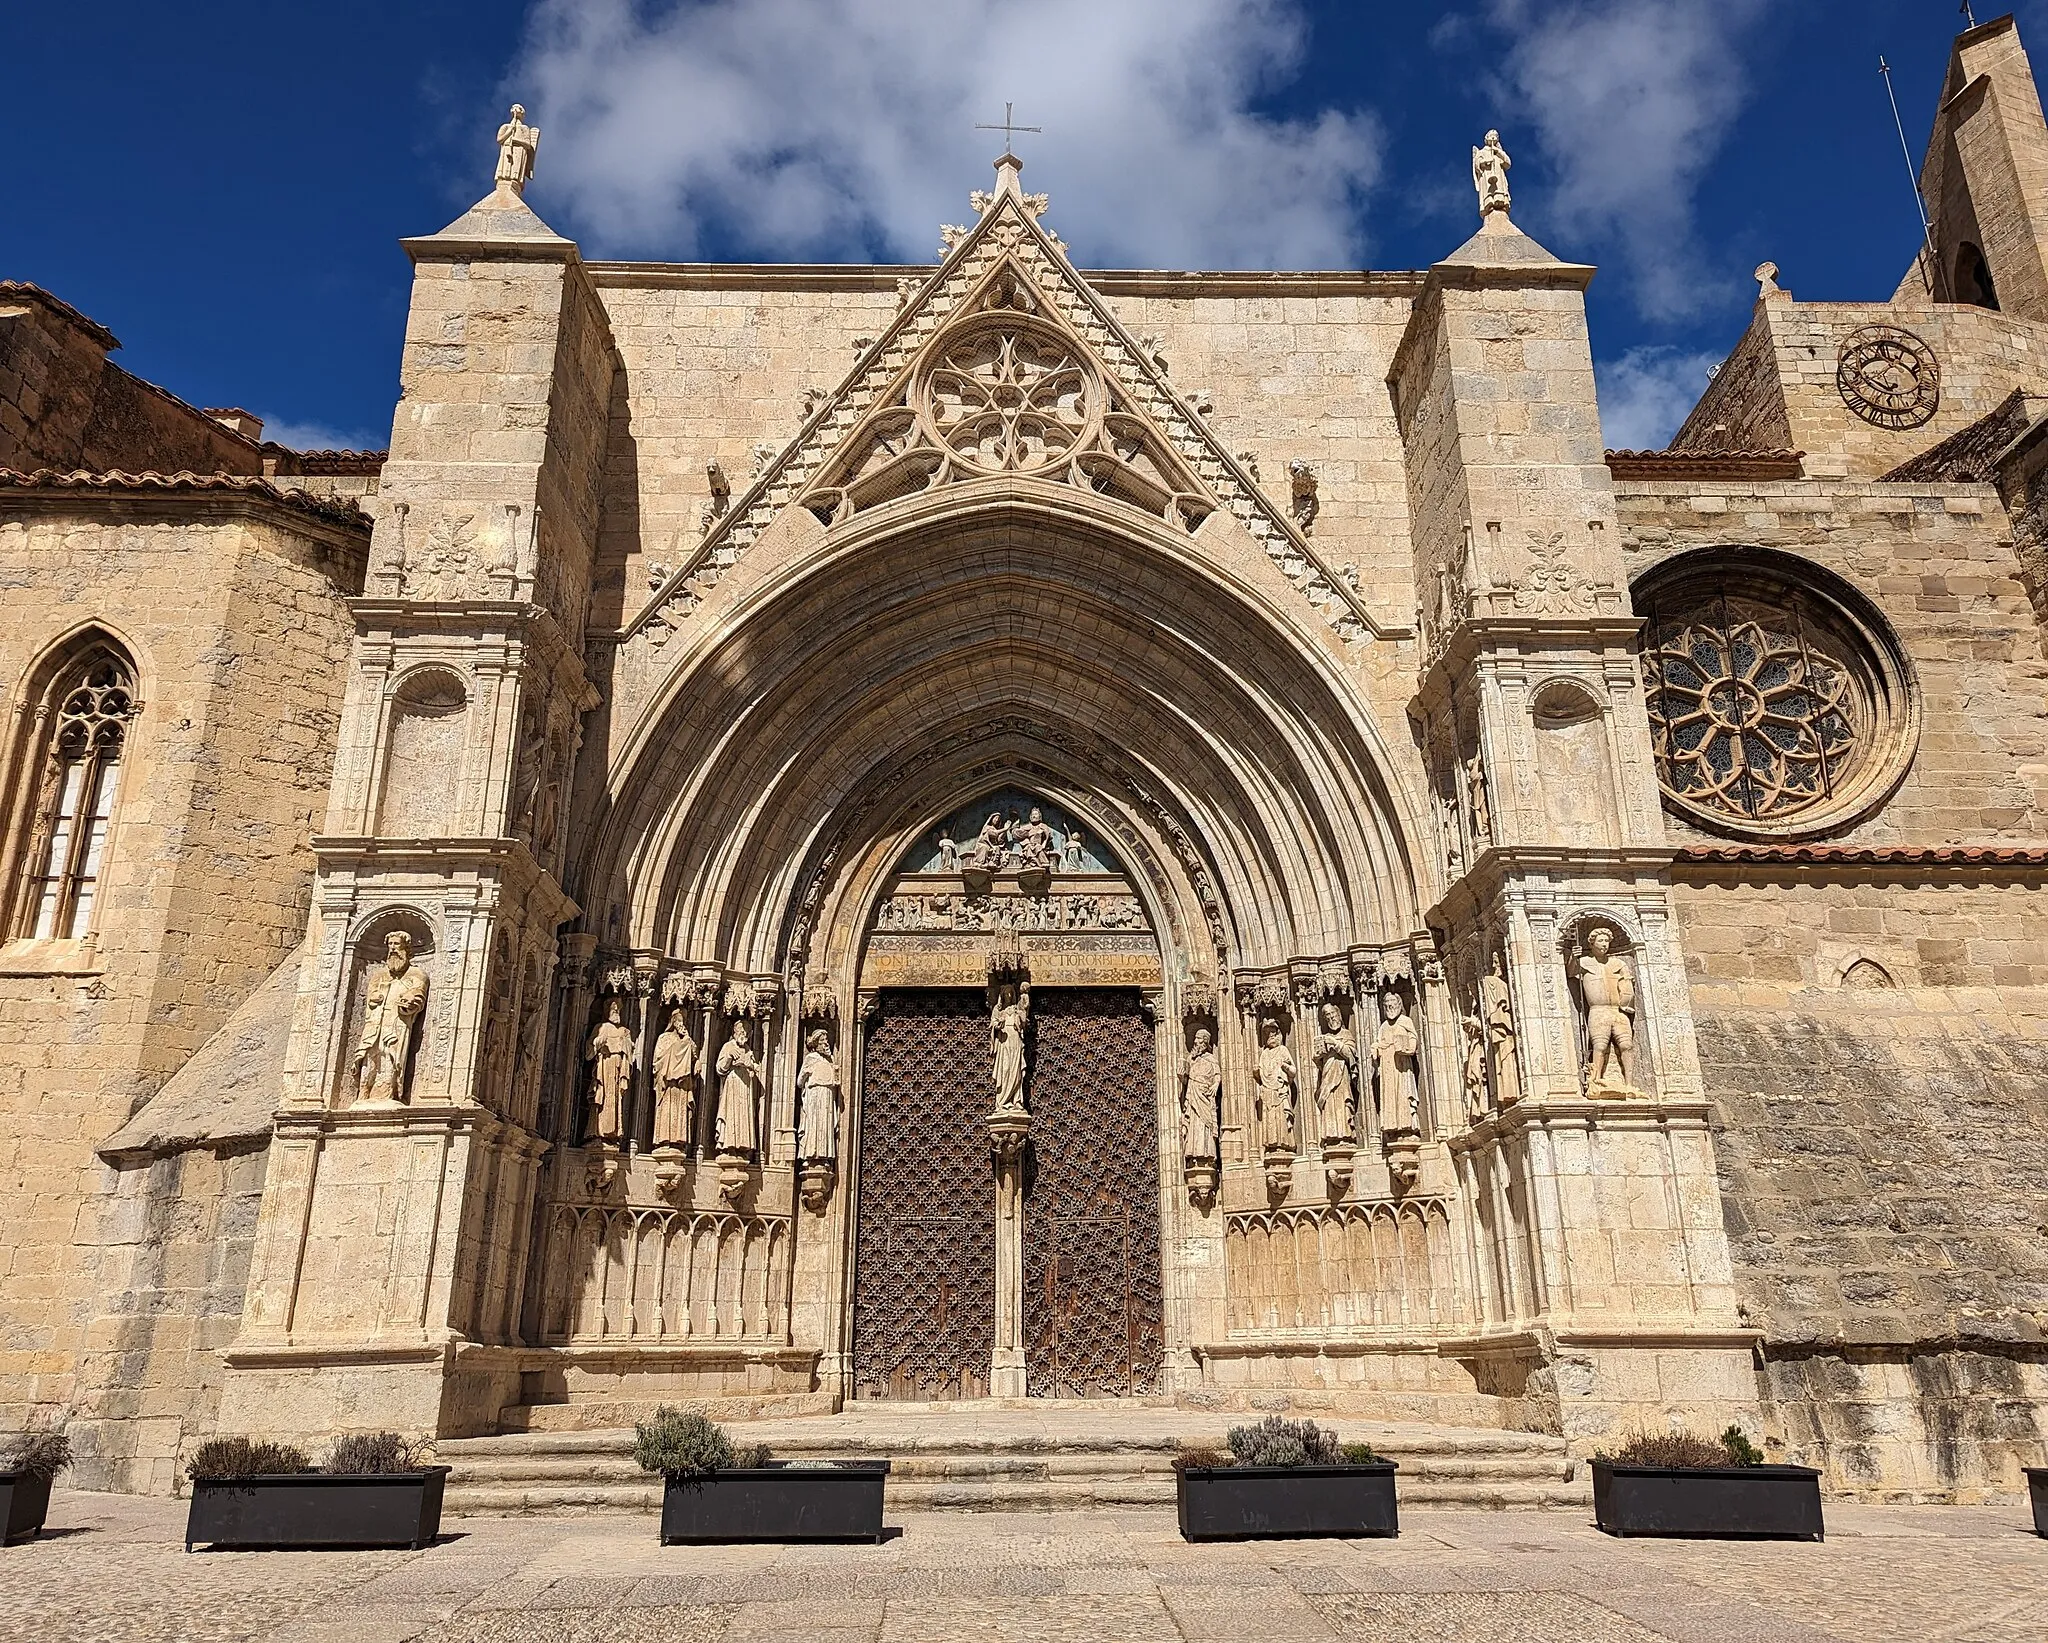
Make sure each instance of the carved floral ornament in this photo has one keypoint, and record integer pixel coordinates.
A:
(1780, 703)
(1005, 390)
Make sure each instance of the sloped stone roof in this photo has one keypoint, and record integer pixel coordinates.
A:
(1966, 456)
(332, 510)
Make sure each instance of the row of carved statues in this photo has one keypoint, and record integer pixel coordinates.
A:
(612, 1055)
(1004, 914)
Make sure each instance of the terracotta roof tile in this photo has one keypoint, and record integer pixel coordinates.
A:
(1872, 855)
(1681, 465)
(335, 510)
(23, 291)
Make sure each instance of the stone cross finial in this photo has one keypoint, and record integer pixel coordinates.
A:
(516, 144)
(1767, 285)
(1490, 176)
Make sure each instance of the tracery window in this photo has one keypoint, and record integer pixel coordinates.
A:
(78, 778)
(1778, 702)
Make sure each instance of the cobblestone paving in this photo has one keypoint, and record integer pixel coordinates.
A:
(113, 1567)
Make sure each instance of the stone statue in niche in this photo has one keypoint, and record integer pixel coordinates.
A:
(396, 1000)
(1607, 993)
(517, 142)
(1336, 1071)
(1490, 166)
(612, 1053)
(949, 852)
(1476, 797)
(1278, 1082)
(1201, 1092)
(675, 1084)
(1395, 1047)
(1474, 1030)
(1499, 1013)
(739, 1081)
(1008, 1023)
(817, 1091)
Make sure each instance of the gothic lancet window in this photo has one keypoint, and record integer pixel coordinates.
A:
(85, 726)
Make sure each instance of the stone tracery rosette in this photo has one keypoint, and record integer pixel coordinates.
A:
(1781, 704)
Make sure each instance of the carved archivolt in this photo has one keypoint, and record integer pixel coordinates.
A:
(1004, 390)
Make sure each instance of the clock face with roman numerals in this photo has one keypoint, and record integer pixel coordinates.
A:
(1889, 377)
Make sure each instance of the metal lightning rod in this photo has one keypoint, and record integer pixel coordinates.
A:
(1934, 279)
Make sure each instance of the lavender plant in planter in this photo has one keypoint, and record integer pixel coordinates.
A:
(713, 1491)
(1285, 1479)
(1679, 1484)
(373, 1492)
(30, 1464)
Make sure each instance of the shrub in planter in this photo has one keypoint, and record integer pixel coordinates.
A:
(1285, 1478)
(375, 1491)
(28, 1466)
(716, 1491)
(1681, 1484)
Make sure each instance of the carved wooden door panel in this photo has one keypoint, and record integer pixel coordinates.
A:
(924, 1311)
(1094, 1307)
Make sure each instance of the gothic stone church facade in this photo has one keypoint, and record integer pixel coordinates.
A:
(986, 831)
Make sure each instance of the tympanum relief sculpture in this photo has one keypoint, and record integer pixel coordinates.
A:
(1607, 1004)
(1397, 1086)
(396, 999)
(909, 914)
(1201, 1095)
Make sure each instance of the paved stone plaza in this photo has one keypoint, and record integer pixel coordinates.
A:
(113, 1567)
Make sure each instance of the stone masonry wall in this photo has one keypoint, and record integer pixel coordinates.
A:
(1938, 561)
(1743, 408)
(239, 632)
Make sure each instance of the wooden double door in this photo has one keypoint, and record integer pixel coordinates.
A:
(925, 1245)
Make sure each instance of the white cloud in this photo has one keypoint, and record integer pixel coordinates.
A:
(828, 128)
(1630, 100)
(317, 436)
(1647, 393)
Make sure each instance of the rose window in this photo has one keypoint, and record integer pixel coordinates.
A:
(1774, 709)
(1008, 400)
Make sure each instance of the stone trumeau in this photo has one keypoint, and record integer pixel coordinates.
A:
(1530, 718)
(413, 1155)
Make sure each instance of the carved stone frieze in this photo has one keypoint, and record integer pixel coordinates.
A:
(923, 913)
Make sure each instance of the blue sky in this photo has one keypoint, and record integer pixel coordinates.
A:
(225, 185)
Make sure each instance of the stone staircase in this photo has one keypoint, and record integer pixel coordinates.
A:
(974, 1458)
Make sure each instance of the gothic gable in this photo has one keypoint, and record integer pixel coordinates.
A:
(1004, 364)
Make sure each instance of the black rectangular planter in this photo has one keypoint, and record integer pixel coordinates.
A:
(24, 1503)
(1285, 1502)
(1717, 1503)
(776, 1502)
(2037, 1490)
(311, 1510)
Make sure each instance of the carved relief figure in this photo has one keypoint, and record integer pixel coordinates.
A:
(517, 142)
(1500, 1034)
(675, 1084)
(1481, 804)
(949, 852)
(739, 1077)
(1073, 854)
(1607, 987)
(396, 1000)
(612, 1054)
(1336, 1070)
(1278, 1082)
(1034, 841)
(1006, 1028)
(817, 1093)
(1394, 1050)
(1201, 1091)
(1490, 166)
(991, 845)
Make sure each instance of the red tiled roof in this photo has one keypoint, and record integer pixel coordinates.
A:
(1705, 464)
(335, 510)
(23, 291)
(1872, 855)
(334, 462)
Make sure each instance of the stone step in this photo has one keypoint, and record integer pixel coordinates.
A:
(993, 1460)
